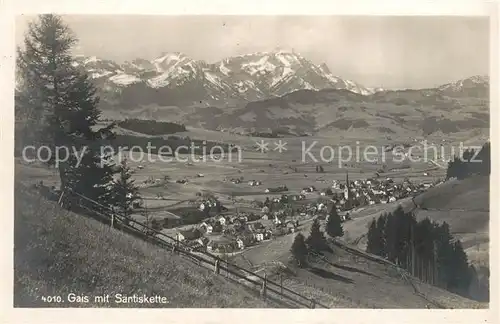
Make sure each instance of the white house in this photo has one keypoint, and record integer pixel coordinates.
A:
(240, 243)
(207, 227)
(222, 220)
(259, 237)
(321, 206)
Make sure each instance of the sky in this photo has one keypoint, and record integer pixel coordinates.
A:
(376, 51)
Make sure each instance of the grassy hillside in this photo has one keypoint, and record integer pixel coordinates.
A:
(470, 194)
(57, 252)
(343, 279)
(463, 204)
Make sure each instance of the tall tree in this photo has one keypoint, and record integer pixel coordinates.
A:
(391, 235)
(124, 189)
(59, 103)
(425, 248)
(299, 250)
(460, 274)
(483, 163)
(334, 224)
(375, 237)
(381, 228)
(316, 241)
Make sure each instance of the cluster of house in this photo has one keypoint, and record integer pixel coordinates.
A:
(209, 203)
(254, 183)
(375, 191)
(225, 234)
(280, 188)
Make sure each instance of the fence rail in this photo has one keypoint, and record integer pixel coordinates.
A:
(201, 258)
(403, 273)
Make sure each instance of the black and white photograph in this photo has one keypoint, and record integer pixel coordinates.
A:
(252, 161)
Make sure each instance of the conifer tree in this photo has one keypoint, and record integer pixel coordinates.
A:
(299, 250)
(334, 224)
(484, 156)
(316, 241)
(59, 103)
(124, 189)
(372, 240)
(460, 275)
(381, 227)
(375, 239)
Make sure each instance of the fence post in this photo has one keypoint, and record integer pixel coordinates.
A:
(313, 303)
(59, 202)
(217, 267)
(281, 283)
(227, 267)
(264, 287)
(112, 217)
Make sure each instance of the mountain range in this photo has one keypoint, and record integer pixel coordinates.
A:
(174, 78)
(278, 90)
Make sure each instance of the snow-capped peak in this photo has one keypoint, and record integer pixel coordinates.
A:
(250, 77)
(90, 59)
(473, 81)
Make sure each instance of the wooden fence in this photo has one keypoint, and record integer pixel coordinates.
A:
(267, 288)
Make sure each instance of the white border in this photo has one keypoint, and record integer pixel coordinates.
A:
(227, 7)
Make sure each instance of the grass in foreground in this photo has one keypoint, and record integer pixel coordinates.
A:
(57, 253)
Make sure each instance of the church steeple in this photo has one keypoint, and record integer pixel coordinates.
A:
(347, 190)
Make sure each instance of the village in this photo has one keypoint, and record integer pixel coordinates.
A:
(224, 231)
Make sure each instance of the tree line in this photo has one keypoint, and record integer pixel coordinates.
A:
(316, 243)
(170, 146)
(426, 249)
(151, 127)
(470, 163)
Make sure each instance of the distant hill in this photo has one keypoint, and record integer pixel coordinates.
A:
(468, 194)
(441, 110)
(57, 252)
(465, 205)
(266, 91)
(417, 112)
